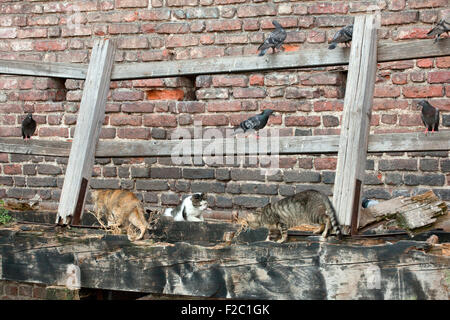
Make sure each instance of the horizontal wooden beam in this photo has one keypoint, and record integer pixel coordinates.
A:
(395, 142)
(387, 51)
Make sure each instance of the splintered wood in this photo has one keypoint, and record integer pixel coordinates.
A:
(408, 212)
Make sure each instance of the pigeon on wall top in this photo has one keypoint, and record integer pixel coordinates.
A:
(254, 123)
(430, 116)
(274, 40)
(342, 36)
(28, 127)
(441, 27)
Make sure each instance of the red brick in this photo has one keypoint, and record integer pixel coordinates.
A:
(148, 83)
(181, 3)
(212, 119)
(125, 120)
(256, 80)
(206, 52)
(322, 79)
(48, 107)
(132, 43)
(154, 14)
(387, 104)
(245, 11)
(32, 33)
(174, 41)
(328, 7)
(223, 25)
(425, 63)
(301, 121)
(391, 18)
(410, 120)
(249, 92)
(165, 94)
(159, 120)
(12, 169)
(123, 28)
(412, 33)
(389, 118)
(8, 83)
(423, 91)
(399, 78)
(439, 77)
(8, 33)
(191, 107)
(127, 95)
(396, 5)
(134, 133)
(131, 3)
(53, 132)
(443, 62)
(283, 106)
(418, 4)
(50, 45)
(224, 106)
(386, 92)
(315, 36)
(325, 163)
(172, 27)
(328, 106)
(397, 65)
(229, 81)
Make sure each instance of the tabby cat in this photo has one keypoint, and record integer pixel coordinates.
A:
(120, 208)
(190, 209)
(306, 207)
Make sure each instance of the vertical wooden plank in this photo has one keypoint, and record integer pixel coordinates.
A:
(87, 131)
(355, 126)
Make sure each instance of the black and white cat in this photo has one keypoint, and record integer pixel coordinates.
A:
(190, 209)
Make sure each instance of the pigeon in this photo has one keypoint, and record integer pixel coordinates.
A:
(441, 27)
(430, 116)
(28, 127)
(367, 203)
(344, 35)
(254, 123)
(274, 40)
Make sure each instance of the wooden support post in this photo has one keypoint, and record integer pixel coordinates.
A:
(87, 131)
(355, 126)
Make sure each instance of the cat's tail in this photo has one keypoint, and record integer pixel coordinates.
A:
(333, 219)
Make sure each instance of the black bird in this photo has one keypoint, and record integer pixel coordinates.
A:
(441, 27)
(274, 40)
(28, 127)
(430, 116)
(255, 122)
(342, 36)
(367, 203)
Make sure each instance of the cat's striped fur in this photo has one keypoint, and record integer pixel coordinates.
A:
(306, 207)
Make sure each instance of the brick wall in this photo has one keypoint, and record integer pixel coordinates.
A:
(307, 102)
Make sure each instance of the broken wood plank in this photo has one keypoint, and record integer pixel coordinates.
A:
(353, 142)
(408, 212)
(387, 51)
(87, 131)
(391, 142)
(258, 270)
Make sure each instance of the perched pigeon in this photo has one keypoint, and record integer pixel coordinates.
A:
(441, 27)
(28, 127)
(367, 203)
(344, 35)
(274, 40)
(256, 122)
(430, 116)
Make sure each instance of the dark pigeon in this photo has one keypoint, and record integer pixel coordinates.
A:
(274, 40)
(430, 116)
(254, 123)
(28, 127)
(441, 27)
(342, 36)
(367, 203)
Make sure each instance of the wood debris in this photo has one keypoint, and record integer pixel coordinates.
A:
(408, 213)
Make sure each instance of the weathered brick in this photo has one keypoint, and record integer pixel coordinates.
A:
(189, 173)
(302, 121)
(398, 164)
(165, 173)
(153, 185)
(134, 133)
(301, 176)
(254, 188)
(48, 169)
(246, 175)
(245, 11)
(131, 3)
(212, 187)
(242, 93)
(41, 182)
(328, 7)
(223, 25)
(250, 201)
(439, 77)
(392, 18)
(159, 120)
(423, 91)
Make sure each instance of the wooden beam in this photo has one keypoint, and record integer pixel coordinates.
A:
(44, 69)
(387, 51)
(355, 125)
(387, 142)
(189, 258)
(87, 131)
